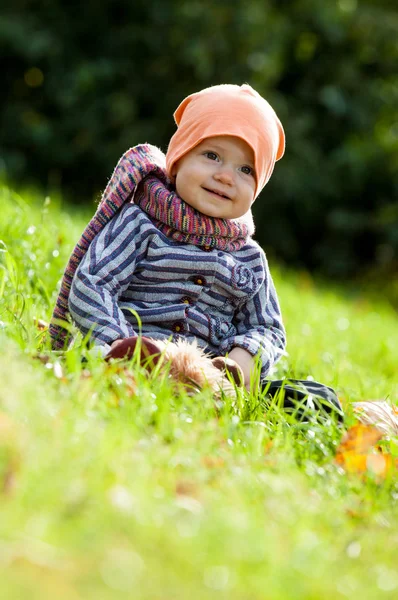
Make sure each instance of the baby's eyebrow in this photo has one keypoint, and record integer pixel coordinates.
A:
(210, 146)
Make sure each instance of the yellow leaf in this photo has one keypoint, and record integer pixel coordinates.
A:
(357, 452)
(358, 439)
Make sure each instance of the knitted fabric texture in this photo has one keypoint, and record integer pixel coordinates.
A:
(140, 177)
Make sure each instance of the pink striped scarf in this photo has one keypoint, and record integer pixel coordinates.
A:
(140, 177)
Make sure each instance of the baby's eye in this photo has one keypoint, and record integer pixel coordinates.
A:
(247, 170)
(211, 155)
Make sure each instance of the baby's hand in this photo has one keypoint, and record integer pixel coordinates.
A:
(245, 361)
(231, 367)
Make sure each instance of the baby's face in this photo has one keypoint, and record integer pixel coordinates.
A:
(217, 177)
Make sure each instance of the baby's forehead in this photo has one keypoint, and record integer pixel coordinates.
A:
(230, 144)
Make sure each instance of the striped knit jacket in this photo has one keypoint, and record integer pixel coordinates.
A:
(134, 279)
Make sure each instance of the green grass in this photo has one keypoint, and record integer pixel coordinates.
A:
(165, 496)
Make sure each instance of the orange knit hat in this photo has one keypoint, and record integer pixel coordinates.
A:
(229, 110)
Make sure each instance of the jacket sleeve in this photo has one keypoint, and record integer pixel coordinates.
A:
(104, 273)
(259, 325)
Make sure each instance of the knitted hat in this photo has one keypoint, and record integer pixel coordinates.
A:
(229, 110)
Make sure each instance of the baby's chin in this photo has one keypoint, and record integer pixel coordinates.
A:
(217, 215)
(227, 215)
(213, 214)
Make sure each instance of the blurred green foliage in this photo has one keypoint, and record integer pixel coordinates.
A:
(84, 82)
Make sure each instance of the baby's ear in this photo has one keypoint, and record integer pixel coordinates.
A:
(173, 172)
(181, 108)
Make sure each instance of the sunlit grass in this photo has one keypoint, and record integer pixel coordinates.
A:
(157, 494)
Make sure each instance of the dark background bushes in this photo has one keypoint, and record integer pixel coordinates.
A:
(82, 82)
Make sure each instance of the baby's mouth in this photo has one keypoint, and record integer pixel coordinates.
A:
(217, 193)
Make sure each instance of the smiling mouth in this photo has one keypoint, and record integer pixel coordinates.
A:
(218, 194)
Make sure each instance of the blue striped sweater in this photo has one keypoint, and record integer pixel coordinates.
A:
(221, 299)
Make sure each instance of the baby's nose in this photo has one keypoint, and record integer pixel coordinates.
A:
(225, 175)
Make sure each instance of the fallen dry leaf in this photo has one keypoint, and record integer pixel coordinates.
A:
(380, 465)
(358, 453)
(359, 439)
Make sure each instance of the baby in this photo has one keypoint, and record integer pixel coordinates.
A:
(169, 253)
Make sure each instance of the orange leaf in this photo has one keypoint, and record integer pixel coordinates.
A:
(356, 452)
(380, 465)
(352, 462)
(358, 439)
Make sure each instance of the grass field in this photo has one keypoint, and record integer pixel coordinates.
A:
(158, 495)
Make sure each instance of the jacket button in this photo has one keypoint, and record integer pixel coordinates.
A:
(199, 280)
(178, 327)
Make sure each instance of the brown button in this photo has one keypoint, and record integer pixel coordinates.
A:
(199, 280)
(178, 327)
(207, 248)
(186, 300)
